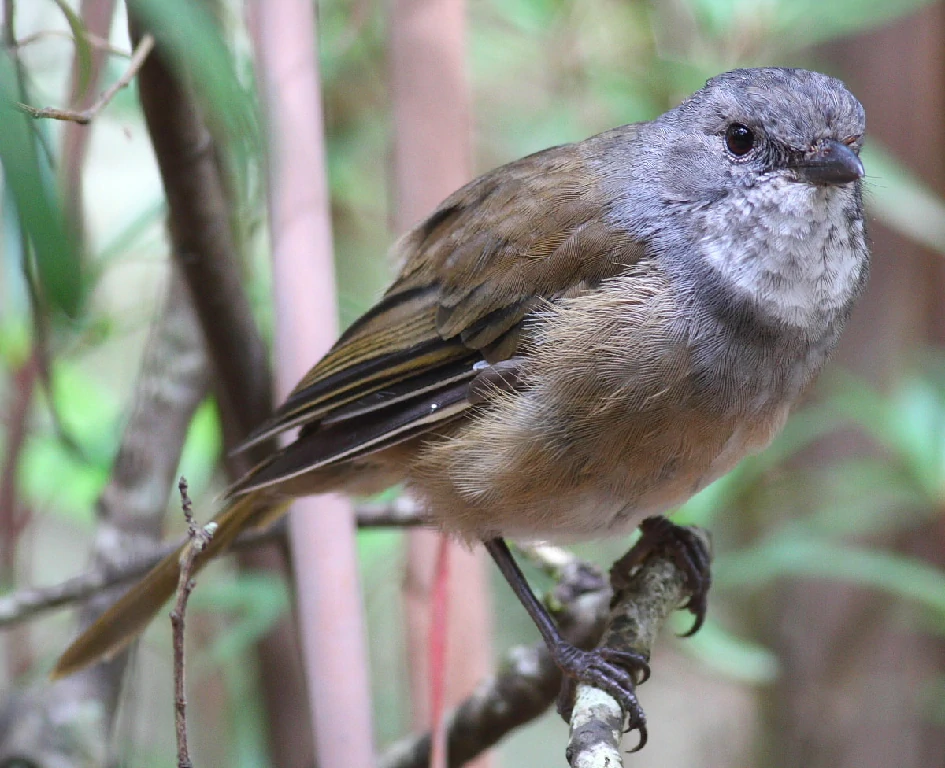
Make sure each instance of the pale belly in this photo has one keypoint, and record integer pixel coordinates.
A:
(615, 505)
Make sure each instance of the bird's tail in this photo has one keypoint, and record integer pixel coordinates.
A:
(128, 617)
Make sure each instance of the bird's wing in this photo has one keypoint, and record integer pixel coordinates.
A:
(530, 231)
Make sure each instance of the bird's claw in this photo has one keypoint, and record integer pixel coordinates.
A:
(612, 671)
(689, 552)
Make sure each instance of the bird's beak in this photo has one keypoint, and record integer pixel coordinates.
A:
(828, 163)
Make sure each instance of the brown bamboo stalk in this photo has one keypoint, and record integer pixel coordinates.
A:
(205, 249)
(432, 151)
(322, 529)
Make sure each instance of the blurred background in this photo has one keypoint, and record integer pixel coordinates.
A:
(825, 644)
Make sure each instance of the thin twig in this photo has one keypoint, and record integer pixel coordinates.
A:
(198, 537)
(93, 40)
(85, 116)
(26, 603)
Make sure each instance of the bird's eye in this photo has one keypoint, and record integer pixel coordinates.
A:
(739, 139)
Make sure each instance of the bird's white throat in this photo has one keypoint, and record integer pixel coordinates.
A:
(789, 248)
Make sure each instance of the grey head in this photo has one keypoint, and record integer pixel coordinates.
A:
(752, 186)
(750, 126)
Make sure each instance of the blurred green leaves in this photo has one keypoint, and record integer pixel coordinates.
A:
(195, 46)
(796, 24)
(803, 23)
(795, 552)
(735, 657)
(256, 600)
(90, 413)
(83, 48)
(38, 205)
(814, 522)
(901, 201)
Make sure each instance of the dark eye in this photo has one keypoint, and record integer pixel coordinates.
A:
(739, 139)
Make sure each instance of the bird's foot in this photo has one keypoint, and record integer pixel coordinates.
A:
(615, 672)
(689, 552)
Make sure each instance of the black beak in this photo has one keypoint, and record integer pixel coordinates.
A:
(829, 163)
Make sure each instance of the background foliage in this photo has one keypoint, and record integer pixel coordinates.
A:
(851, 494)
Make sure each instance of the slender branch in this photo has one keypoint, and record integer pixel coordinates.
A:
(85, 116)
(77, 713)
(24, 381)
(204, 244)
(85, 82)
(94, 41)
(198, 538)
(204, 227)
(27, 603)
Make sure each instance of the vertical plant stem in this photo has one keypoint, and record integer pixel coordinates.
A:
(432, 150)
(13, 517)
(321, 530)
(97, 16)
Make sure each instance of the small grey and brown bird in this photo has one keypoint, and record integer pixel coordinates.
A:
(583, 337)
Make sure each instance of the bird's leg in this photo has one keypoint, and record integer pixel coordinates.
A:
(688, 551)
(613, 671)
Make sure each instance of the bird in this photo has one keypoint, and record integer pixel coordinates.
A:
(580, 339)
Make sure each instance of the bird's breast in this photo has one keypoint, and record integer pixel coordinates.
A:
(622, 414)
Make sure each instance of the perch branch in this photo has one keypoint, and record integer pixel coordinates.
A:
(26, 603)
(85, 116)
(640, 607)
(529, 680)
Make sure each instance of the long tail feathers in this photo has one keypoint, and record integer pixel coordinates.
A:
(128, 617)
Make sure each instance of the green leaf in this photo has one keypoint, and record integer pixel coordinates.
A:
(83, 49)
(529, 17)
(909, 423)
(733, 656)
(90, 413)
(802, 23)
(191, 41)
(37, 201)
(16, 341)
(259, 599)
(901, 201)
(793, 553)
(202, 447)
(861, 495)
